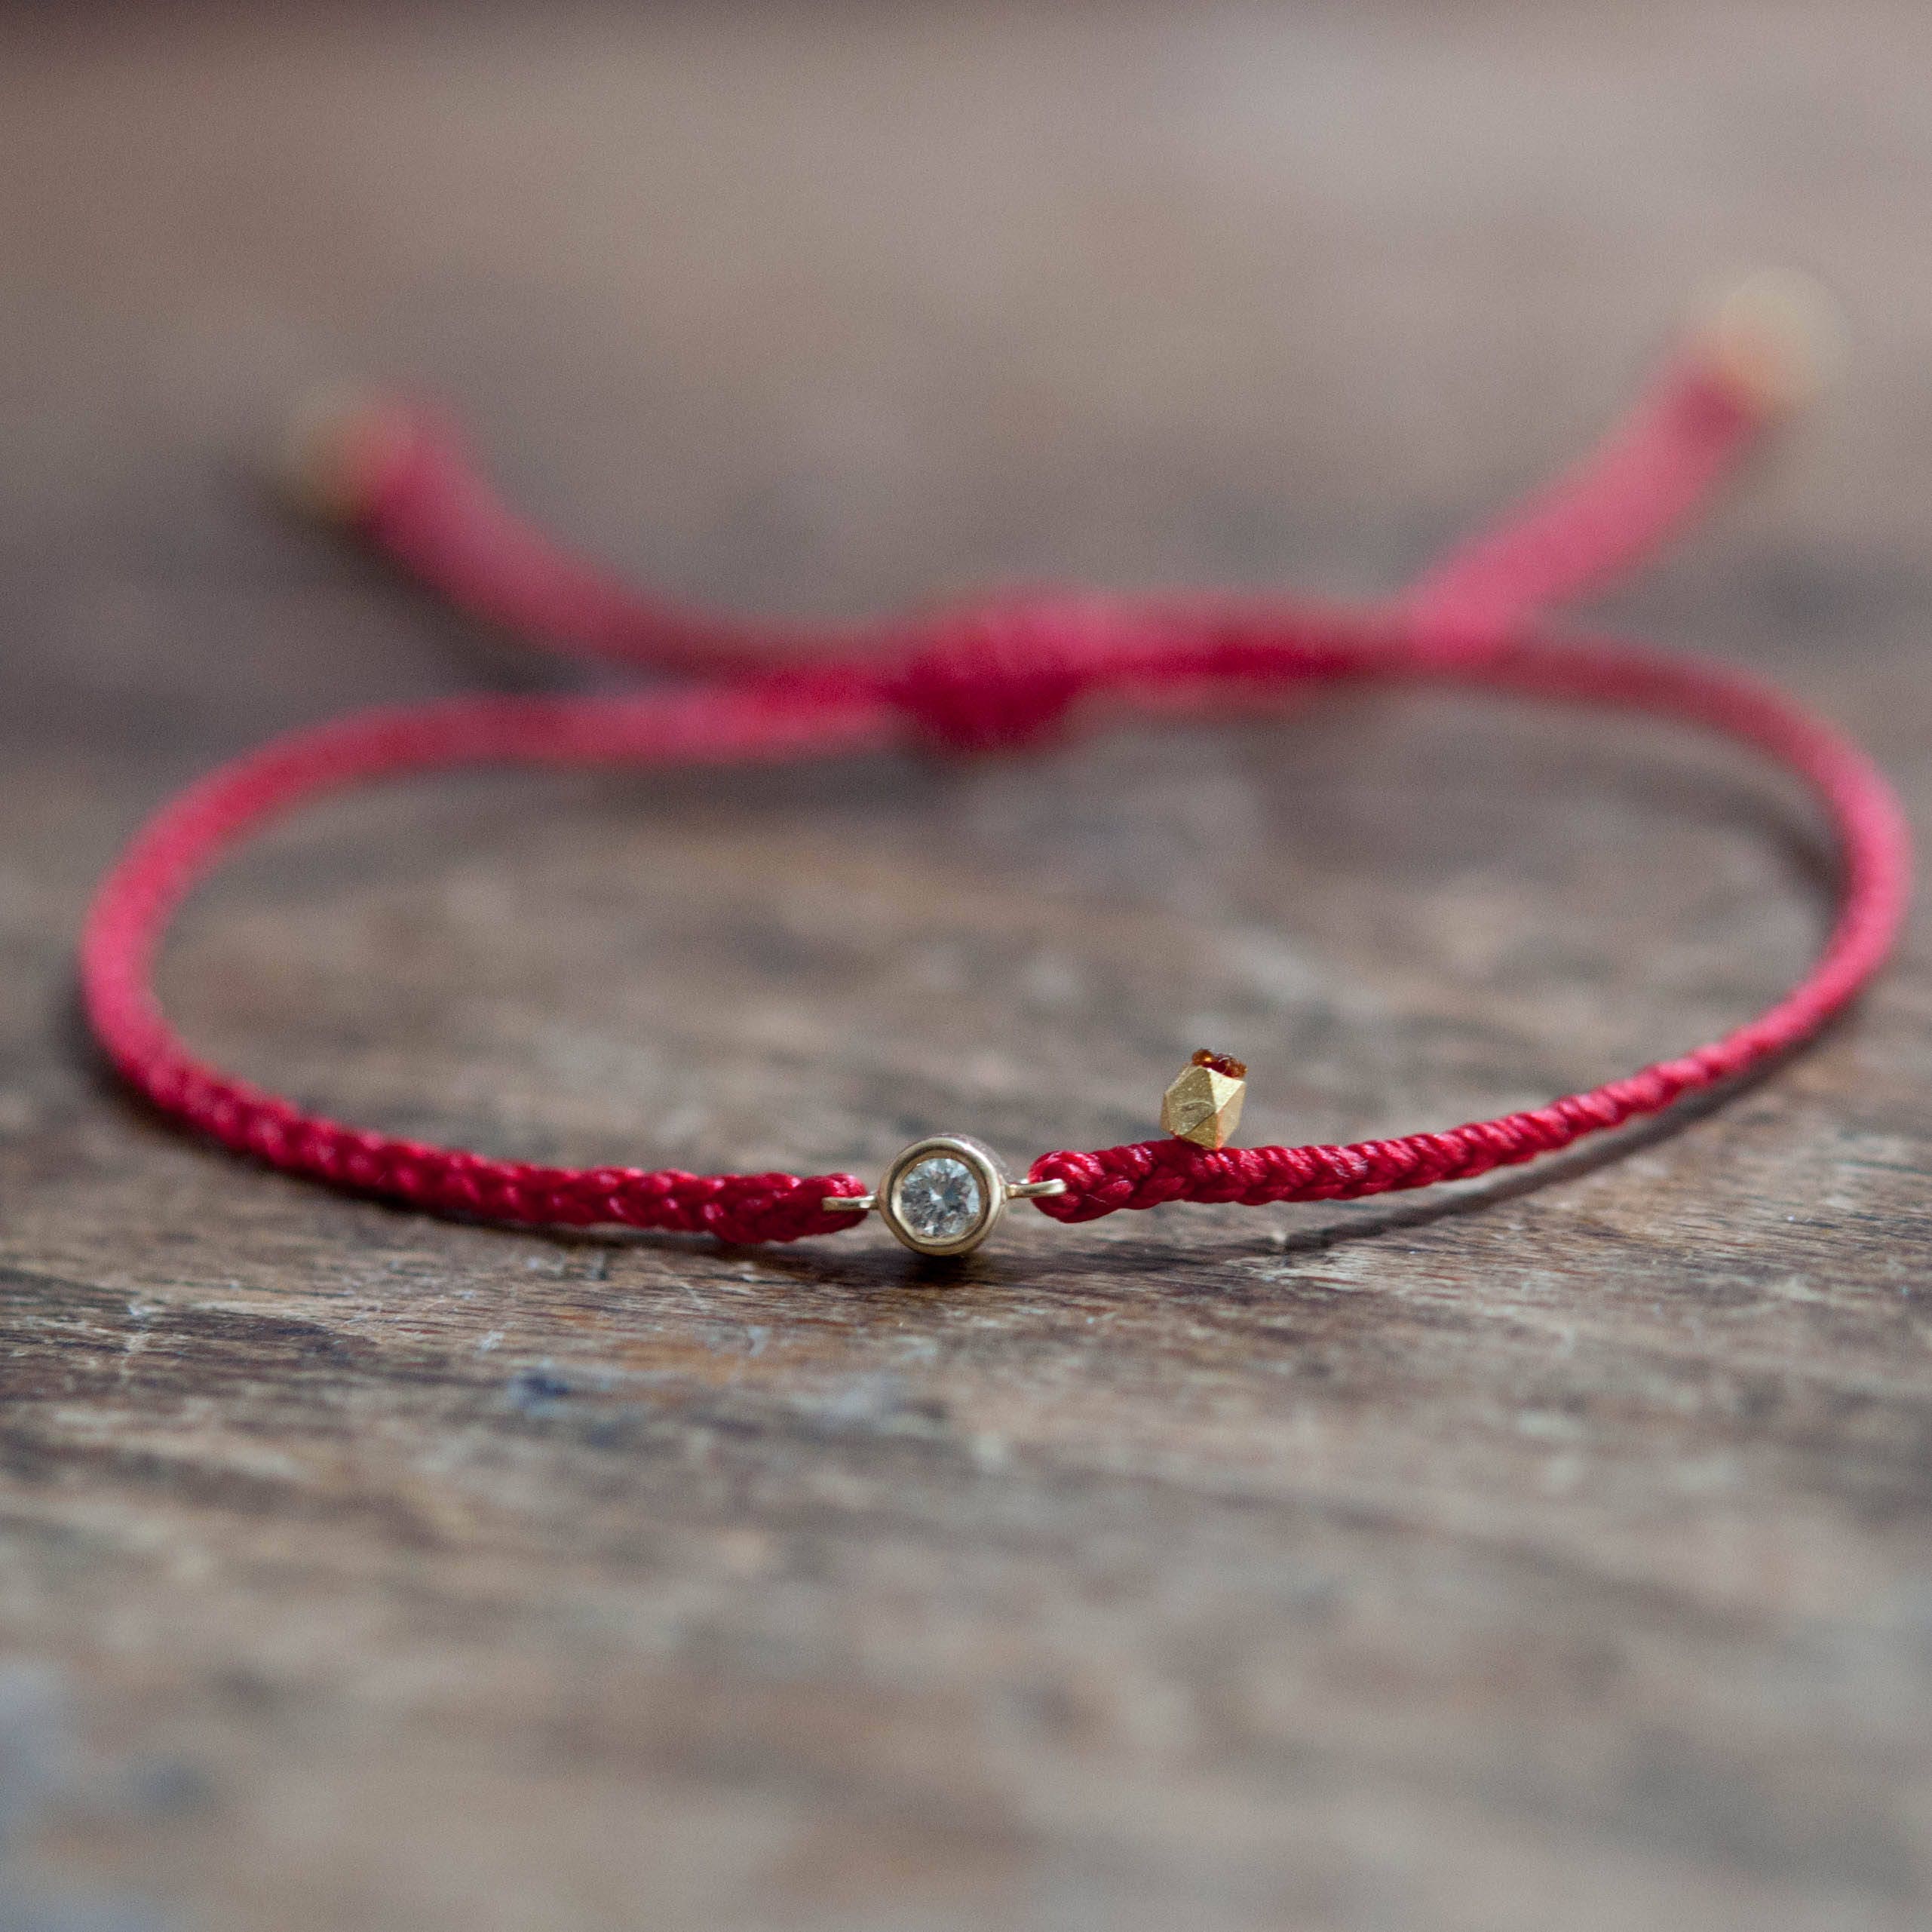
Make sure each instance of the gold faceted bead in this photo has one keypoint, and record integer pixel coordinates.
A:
(1204, 1104)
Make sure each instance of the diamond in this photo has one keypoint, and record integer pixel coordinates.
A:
(940, 1198)
(943, 1195)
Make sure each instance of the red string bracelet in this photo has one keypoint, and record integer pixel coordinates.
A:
(999, 674)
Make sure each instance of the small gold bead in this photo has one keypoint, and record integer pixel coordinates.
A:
(1775, 339)
(1203, 1105)
(335, 450)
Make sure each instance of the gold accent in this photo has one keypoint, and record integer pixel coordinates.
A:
(979, 1161)
(1775, 339)
(334, 451)
(1034, 1190)
(864, 1203)
(1203, 1105)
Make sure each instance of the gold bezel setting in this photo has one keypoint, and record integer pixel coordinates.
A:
(987, 1177)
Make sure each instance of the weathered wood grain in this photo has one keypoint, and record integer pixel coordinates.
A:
(1557, 1552)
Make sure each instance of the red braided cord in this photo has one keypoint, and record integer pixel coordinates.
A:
(999, 674)
(1648, 476)
(420, 502)
(192, 833)
(1874, 861)
(418, 499)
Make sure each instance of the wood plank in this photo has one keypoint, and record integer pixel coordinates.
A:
(1554, 1551)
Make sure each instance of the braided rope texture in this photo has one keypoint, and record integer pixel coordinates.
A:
(999, 676)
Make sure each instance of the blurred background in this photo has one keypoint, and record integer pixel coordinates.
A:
(1490, 1575)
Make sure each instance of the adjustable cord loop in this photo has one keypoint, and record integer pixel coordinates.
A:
(1004, 676)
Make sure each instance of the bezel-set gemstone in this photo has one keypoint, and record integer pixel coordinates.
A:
(943, 1195)
(940, 1197)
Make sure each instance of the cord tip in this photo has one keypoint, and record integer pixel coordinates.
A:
(1777, 339)
(337, 445)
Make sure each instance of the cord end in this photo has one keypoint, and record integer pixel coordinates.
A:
(336, 450)
(1776, 340)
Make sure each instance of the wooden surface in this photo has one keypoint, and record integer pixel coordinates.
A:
(1556, 1555)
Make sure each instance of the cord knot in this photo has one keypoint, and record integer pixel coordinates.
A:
(1000, 676)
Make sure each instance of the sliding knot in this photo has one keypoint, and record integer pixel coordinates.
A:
(1004, 676)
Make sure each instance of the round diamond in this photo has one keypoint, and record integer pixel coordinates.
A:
(940, 1198)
